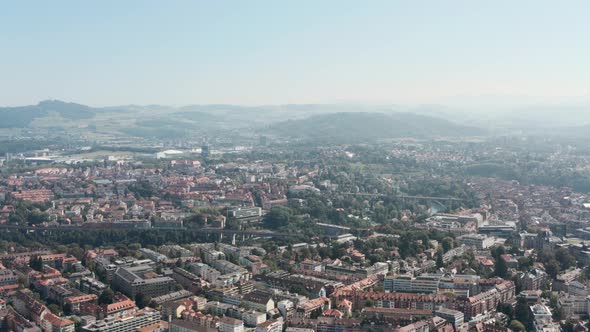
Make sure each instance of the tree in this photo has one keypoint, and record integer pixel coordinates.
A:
(439, 260)
(552, 268)
(36, 263)
(142, 300)
(36, 217)
(22, 281)
(558, 313)
(101, 274)
(553, 299)
(521, 312)
(196, 220)
(500, 267)
(506, 309)
(498, 251)
(143, 189)
(54, 308)
(68, 309)
(546, 255)
(447, 243)
(106, 297)
(565, 259)
(525, 263)
(75, 250)
(277, 217)
(515, 325)
(568, 326)
(61, 249)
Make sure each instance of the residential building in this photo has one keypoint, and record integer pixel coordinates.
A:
(574, 305)
(272, 325)
(312, 308)
(455, 317)
(174, 296)
(259, 300)
(534, 279)
(542, 319)
(129, 322)
(577, 288)
(463, 285)
(253, 318)
(141, 279)
(8, 277)
(92, 286)
(188, 280)
(476, 241)
(152, 255)
(54, 323)
(178, 325)
(563, 279)
(229, 324)
(395, 316)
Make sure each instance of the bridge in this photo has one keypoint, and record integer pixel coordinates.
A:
(454, 199)
(229, 232)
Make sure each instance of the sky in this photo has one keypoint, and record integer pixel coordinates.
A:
(114, 52)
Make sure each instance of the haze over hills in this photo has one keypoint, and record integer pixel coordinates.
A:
(528, 113)
(362, 127)
(310, 121)
(342, 122)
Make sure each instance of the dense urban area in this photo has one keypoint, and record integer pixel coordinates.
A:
(294, 166)
(269, 234)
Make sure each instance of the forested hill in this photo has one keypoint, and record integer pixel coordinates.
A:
(22, 116)
(366, 127)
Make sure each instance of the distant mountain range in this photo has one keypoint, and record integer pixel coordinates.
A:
(325, 122)
(362, 127)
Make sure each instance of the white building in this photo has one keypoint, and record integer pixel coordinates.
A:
(228, 324)
(286, 308)
(273, 325)
(477, 241)
(130, 322)
(253, 318)
(542, 319)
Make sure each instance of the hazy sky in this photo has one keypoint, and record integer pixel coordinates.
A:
(263, 52)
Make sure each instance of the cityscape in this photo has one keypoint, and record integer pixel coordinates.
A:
(219, 167)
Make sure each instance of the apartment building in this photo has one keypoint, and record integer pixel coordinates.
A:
(142, 279)
(129, 322)
(272, 325)
(228, 324)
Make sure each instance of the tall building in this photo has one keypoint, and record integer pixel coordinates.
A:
(205, 151)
